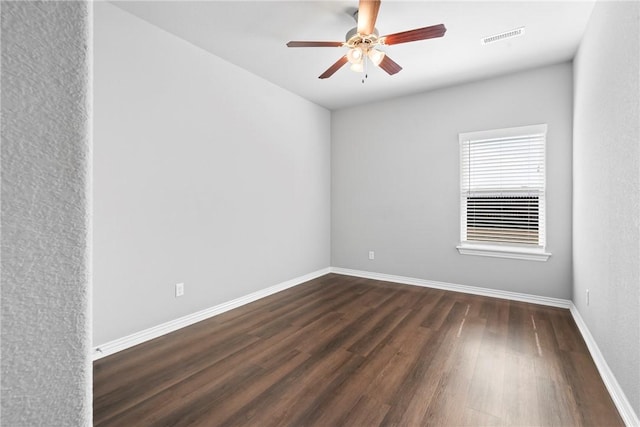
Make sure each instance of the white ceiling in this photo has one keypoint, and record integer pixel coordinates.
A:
(253, 35)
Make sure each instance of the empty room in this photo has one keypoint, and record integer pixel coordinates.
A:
(329, 213)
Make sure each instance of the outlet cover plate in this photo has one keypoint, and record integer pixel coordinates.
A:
(179, 289)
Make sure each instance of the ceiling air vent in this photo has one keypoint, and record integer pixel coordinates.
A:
(503, 36)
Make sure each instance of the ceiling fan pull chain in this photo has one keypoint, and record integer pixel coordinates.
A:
(366, 69)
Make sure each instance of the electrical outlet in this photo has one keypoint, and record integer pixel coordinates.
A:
(179, 289)
(587, 296)
(372, 255)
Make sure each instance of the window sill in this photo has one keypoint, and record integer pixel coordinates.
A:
(504, 252)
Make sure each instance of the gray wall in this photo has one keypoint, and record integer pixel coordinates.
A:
(46, 337)
(204, 174)
(395, 181)
(606, 224)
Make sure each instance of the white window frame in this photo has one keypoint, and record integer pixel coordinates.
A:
(502, 249)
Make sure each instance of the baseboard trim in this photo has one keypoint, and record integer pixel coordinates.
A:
(120, 344)
(627, 413)
(495, 293)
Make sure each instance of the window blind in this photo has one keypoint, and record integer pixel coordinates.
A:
(502, 187)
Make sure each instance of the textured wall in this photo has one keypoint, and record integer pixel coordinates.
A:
(606, 161)
(203, 174)
(395, 182)
(46, 369)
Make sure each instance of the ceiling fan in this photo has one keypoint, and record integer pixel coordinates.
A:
(363, 41)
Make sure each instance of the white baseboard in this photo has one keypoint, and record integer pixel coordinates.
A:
(513, 296)
(128, 341)
(627, 413)
(120, 344)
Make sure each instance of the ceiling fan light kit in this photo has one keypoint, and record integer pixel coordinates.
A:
(355, 55)
(376, 56)
(363, 42)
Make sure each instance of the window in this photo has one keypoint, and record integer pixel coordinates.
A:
(502, 193)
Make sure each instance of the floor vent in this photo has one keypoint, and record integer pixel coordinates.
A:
(503, 36)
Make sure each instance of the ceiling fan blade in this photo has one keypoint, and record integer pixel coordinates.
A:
(314, 44)
(389, 65)
(367, 15)
(415, 35)
(335, 67)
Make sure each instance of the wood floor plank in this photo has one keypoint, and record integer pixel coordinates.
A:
(486, 387)
(213, 405)
(520, 403)
(456, 367)
(321, 394)
(339, 408)
(160, 376)
(394, 378)
(347, 351)
(379, 332)
(474, 418)
(556, 403)
(294, 392)
(127, 362)
(366, 412)
(440, 311)
(521, 337)
(590, 394)
(184, 401)
(233, 403)
(354, 328)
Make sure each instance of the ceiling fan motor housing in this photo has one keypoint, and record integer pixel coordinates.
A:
(354, 39)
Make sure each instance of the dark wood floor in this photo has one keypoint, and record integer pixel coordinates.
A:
(346, 351)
